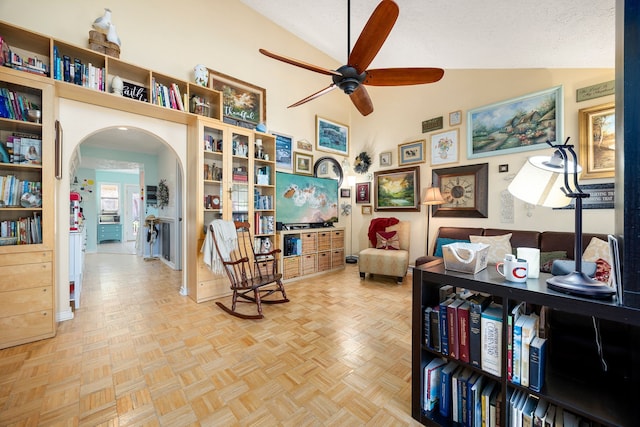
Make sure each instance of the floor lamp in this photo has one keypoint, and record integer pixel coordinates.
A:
(431, 196)
(545, 181)
(351, 258)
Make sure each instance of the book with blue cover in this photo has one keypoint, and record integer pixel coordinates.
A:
(458, 382)
(431, 380)
(444, 330)
(445, 387)
(477, 303)
(537, 361)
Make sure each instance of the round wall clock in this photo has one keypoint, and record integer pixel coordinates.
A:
(459, 191)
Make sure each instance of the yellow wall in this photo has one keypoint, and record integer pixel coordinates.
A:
(225, 35)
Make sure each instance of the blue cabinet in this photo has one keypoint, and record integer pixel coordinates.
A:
(111, 232)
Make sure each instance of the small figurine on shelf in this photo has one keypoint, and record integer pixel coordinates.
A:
(201, 74)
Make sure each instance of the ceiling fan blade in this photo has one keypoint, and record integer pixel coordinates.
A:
(300, 64)
(362, 101)
(402, 76)
(315, 95)
(373, 35)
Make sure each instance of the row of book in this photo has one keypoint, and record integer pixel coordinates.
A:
(264, 224)
(292, 245)
(77, 72)
(10, 58)
(526, 347)
(167, 96)
(526, 410)
(212, 144)
(14, 105)
(461, 394)
(23, 150)
(13, 188)
(262, 202)
(26, 230)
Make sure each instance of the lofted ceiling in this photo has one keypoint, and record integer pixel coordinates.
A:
(459, 34)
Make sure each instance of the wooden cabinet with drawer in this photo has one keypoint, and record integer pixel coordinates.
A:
(318, 251)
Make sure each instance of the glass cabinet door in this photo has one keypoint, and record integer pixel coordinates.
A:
(239, 188)
(213, 174)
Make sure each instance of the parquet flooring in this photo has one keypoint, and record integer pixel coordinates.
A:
(138, 353)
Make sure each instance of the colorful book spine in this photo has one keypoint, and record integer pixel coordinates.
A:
(463, 331)
(517, 349)
(454, 328)
(477, 304)
(444, 329)
(491, 339)
(537, 361)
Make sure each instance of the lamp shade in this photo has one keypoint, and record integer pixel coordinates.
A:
(540, 182)
(432, 196)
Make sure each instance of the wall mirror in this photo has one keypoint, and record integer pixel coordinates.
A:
(328, 167)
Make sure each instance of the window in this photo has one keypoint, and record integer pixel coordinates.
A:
(109, 198)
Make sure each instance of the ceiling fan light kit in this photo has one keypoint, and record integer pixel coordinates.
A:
(354, 76)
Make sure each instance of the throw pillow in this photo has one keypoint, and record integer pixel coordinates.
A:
(597, 248)
(441, 241)
(499, 246)
(547, 258)
(387, 240)
(603, 271)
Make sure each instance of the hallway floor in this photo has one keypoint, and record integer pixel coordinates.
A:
(138, 353)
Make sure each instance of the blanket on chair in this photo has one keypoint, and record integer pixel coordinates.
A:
(379, 224)
(227, 238)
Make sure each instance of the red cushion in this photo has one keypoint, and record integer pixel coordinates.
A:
(387, 240)
(603, 270)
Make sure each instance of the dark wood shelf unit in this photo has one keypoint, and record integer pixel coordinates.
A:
(604, 397)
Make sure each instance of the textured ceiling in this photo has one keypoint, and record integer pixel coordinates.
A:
(460, 34)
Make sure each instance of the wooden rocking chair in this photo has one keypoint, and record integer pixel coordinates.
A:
(253, 276)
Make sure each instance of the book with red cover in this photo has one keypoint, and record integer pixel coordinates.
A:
(453, 326)
(463, 331)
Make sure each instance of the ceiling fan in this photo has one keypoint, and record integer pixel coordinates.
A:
(352, 77)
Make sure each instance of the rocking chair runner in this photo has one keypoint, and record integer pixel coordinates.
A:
(253, 276)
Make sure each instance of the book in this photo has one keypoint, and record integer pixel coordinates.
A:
(445, 292)
(512, 318)
(529, 330)
(474, 402)
(445, 387)
(495, 408)
(528, 409)
(540, 412)
(517, 420)
(31, 151)
(537, 361)
(444, 330)
(512, 407)
(559, 417)
(453, 327)
(491, 339)
(517, 349)
(570, 419)
(426, 321)
(550, 416)
(431, 381)
(465, 398)
(435, 328)
(477, 303)
(463, 331)
(485, 402)
(459, 377)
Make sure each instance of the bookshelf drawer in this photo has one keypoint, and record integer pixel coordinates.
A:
(309, 242)
(324, 241)
(37, 324)
(23, 301)
(337, 258)
(324, 261)
(291, 267)
(337, 239)
(17, 277)
(309, 264)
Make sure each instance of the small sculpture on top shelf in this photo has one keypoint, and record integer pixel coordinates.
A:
(103, 37)
(201, 73)
(102, 23)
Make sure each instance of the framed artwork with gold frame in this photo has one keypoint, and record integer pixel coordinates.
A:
(465, 189)
(597, 141)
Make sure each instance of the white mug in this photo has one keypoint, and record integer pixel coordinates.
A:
(514, 270)
(532, 256)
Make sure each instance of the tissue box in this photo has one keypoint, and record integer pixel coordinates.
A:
(465, 257)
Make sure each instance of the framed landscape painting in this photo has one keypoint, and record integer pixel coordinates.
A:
(243, 104)
(519, 124)
(598, 141)
(332, 137)
(397, 189)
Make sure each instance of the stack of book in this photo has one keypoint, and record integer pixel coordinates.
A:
(14, 105)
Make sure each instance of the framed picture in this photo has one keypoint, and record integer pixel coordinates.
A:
(465, 188)
(519, 124)
(411, 152)
(332, 137)
(363, 190)
(304, 145)
(243, 104)
(283, 150)
(455, 118)
(345, 192)
(397, 190)
(598, 141)
(385, 158)
(302, 163)
(366, 210)
(445, 147)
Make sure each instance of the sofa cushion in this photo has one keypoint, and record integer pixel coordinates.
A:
(547, 258)
(499, 246)
(441, 241)
(519, 238)
(387, 240)
(597, 249)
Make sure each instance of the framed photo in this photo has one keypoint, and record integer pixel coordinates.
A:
(283, 150)
(445, 147)
(243, 104)
(385, 158)
(519, 124)
(345, 192)
(366, 210)
(332, 137)
(411, 152)
(304, 145)
(363, 190)
(598, 141)
(397, 190)
(302, 163)
(465, 188)
(455, 118)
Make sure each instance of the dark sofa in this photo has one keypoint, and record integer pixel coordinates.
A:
(546, 241)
